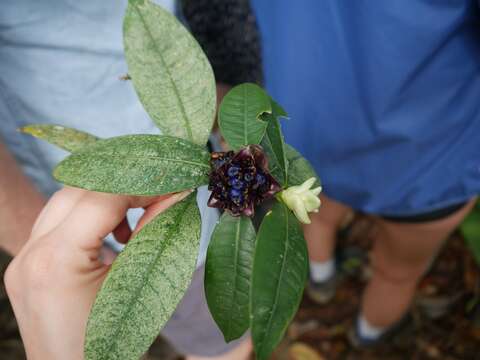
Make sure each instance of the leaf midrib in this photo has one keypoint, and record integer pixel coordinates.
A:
(283, 158)
(245, 117)
(277, 293)
(174, 86)
(135, 157)
(275, 167)
(148, 272)
(283, 161)
(234, 293)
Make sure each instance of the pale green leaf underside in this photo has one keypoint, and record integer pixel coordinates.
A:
(279, 275)
(228, 272)
(170, 72)
(239, 115)
(144, 285)
(299, 169)
(137, 165)
(65, 138)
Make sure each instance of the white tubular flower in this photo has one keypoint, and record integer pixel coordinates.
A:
(302, 200)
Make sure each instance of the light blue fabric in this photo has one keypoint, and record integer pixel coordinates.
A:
(60, 62)
(383, 96)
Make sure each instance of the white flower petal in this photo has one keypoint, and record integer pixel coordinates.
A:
(307, 184)
(300, 212)
(301, 200)
(311, 202)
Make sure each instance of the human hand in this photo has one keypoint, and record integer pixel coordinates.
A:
(53, 281)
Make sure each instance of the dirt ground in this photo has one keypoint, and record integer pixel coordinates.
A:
(319, 332)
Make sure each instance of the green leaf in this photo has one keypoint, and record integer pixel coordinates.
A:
(228, 272)
(144, 285)
(279, 274)
(471, 231)
(136, 165)
(170, 72)
(65, 138)
(299, 169)
(239, 115)
(277, 110)
(274, 144)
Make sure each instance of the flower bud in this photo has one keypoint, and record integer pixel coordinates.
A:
(302, 200)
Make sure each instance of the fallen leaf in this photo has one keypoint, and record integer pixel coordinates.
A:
(301, 351)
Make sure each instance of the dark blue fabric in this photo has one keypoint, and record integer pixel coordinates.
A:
(384, 96)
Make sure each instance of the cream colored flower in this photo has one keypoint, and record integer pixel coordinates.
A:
(302, 200)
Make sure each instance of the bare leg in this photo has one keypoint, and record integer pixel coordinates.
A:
(401, 254)
(320, 234)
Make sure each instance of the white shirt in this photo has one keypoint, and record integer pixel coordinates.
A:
(60, 62)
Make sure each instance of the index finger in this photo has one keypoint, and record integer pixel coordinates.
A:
(97, 214)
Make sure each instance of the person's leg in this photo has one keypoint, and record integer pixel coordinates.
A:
(321, 237)
(321, 233)
(402, 253)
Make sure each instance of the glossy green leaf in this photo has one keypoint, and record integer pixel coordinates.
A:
(170, 72)
(277, 110)
(65, 138)
(279, 273)
(137, 165)
(144, 285)
(471, 231)
(274, 144)
(228, 273)
(239, 115)
(299, 169)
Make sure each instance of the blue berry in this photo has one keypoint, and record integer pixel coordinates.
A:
(236, 195)
(233, 171)
(237, 183)
(260, 179)
(235, 192)
(248, 177)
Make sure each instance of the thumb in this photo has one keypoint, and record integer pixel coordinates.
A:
(98, 214)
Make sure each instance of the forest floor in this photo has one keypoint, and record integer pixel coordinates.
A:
(320, 332)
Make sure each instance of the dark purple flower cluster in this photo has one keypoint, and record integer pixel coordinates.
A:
(240, 181)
